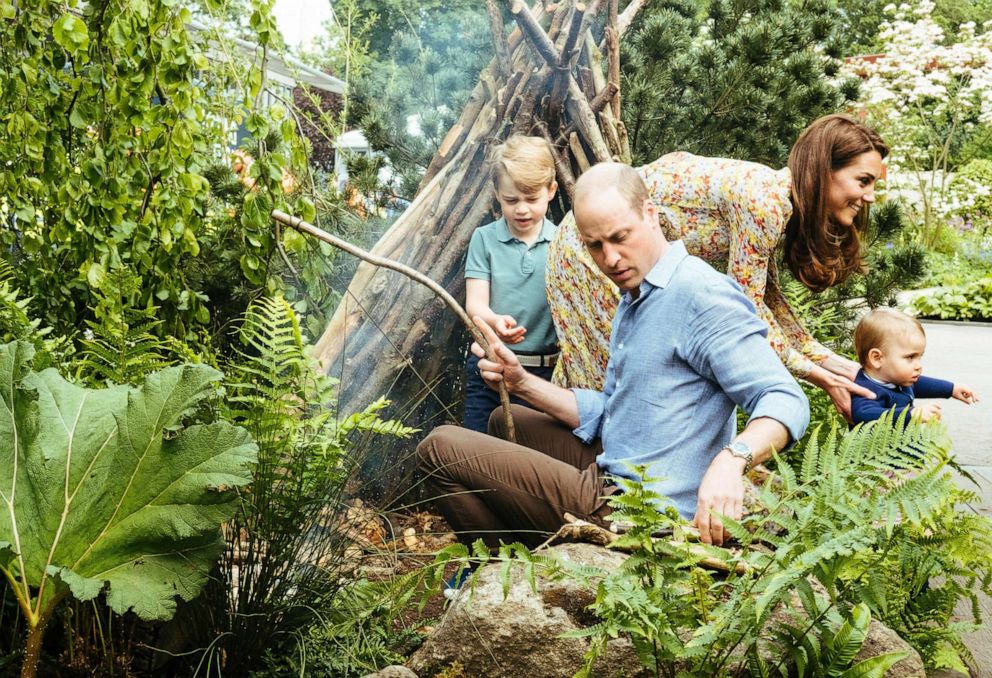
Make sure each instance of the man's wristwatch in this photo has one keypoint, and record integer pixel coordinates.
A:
(741, 451)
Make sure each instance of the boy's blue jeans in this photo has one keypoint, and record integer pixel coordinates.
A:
(480, 400)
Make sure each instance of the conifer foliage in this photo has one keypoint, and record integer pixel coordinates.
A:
(739, 81)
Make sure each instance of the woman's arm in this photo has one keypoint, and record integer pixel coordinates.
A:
(757, 212)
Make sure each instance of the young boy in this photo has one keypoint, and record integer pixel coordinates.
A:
(504, 273)
(890, 345)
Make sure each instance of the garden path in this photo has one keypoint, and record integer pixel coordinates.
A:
(962, 352)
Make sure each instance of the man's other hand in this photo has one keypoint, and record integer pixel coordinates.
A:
(506, 368)
(720, 492)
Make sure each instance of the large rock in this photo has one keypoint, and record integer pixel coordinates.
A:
(882, 640)
(520, 636)
(393, 672)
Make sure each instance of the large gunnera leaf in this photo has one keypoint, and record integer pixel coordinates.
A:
(106, 489)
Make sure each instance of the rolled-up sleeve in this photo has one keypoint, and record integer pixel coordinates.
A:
(592, 405)
(727, 343)
(789, 408)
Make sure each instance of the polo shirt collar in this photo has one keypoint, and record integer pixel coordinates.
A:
(503, 233)
(661, 273)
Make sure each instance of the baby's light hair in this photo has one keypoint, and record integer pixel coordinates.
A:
(526, 161)
(878, 325)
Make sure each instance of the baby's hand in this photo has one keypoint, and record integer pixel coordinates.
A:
(507, 330)
(964, 394)
(926, 412)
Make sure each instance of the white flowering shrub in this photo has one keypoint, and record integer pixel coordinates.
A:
(925, 92)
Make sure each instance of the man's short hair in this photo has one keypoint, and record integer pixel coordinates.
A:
(525, 161)
(878, 325)
(622, 177)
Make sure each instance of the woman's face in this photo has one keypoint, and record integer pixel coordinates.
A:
(852, 187)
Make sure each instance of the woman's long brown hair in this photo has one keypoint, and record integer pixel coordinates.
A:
(819, 252)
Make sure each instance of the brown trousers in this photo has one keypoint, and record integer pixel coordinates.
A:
(491, 489)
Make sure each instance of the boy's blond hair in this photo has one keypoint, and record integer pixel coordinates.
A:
(878, 325)
(526, 161)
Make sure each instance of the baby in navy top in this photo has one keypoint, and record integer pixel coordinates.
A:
(890, 345)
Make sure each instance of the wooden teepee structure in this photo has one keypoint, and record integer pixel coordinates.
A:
(390, 336)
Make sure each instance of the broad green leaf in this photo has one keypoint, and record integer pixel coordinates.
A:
(876, 667)
(71, 34)
(106, 490)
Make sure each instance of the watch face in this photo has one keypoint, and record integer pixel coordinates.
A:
(739, 449)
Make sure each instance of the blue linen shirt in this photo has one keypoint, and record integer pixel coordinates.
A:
(515, 272)
(683, 354)
(890, 396)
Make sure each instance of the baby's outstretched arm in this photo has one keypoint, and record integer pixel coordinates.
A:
(964, 394)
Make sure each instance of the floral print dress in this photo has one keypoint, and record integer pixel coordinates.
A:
(730, 213)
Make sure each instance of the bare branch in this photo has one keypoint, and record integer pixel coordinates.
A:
(613, 55)
(499, 39)
(602, 100)
(417, 276)
(566, 178)
(538, 38)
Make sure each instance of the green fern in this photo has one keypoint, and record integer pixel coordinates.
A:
(121, 344)
(285, 548)
(869, 518)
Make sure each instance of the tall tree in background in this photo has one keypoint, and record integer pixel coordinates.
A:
(740, 80)
(430, 56)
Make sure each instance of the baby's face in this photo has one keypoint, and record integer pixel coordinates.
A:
(900, 356)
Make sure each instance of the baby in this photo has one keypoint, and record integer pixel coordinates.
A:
(890, 346)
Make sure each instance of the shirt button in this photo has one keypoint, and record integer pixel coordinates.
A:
(620, 345)
(607, 420)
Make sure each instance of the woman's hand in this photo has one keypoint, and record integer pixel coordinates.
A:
(841, 366)
(839, 388)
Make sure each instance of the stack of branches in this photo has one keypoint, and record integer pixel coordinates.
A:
(389, 336)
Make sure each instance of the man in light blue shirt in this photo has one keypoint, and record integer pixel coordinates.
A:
(686, 348)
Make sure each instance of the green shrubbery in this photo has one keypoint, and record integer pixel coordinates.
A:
(972, 301)
(866, 525)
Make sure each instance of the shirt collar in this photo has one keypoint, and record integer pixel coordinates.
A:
(503, 233)
(661, 273)
(886, 384)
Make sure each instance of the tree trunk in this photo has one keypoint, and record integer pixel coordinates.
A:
(392, 337)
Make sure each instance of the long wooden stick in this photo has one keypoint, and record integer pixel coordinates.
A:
(309, 229)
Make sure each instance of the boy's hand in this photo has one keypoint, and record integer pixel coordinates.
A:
(964, 394)
(507, 330)
(506, 368)
(926, 412)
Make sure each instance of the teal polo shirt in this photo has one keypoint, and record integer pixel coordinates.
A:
(516, 281)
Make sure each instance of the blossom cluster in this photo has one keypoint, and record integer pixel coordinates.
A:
(922, 92)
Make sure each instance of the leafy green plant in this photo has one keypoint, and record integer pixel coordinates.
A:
(116, 111)
(853, 532)
(972, 301)
(360, 631)
(286, 547)
(975, 179)
(109, 491)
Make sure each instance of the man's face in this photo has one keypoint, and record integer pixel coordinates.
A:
(624, 243)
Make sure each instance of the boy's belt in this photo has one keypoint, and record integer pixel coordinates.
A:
(548, 360)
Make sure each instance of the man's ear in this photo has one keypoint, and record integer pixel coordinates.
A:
(874, 358)
(650, 211)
